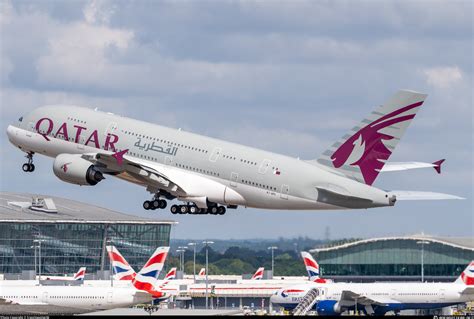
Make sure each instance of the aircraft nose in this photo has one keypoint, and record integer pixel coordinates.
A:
(11, 132)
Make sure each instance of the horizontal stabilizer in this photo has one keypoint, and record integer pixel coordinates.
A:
(415, 195)
(403, 166)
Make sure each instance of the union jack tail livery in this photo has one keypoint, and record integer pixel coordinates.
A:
(362, 153)
(171, 274)
(467, 276)
(146, 279)
(258, 274)
(80, 274)
(312, 267)
(202, 272)
(122, 269)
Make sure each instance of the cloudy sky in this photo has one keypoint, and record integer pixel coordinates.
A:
(285, 76)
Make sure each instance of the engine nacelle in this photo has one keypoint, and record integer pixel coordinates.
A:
(328, 308)
(73, 169)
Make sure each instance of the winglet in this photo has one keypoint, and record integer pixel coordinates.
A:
(119, 156)
(437, 165)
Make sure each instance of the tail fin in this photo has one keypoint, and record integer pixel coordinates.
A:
(202, 272)
(80, 274)
(467, 276)
(312, 267)
(171, 274)
(122, 269)
(258, 274)
(362, 153)
(146, 279)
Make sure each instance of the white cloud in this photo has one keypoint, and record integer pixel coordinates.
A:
(443, 77)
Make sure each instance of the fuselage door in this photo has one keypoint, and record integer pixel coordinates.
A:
(233, 179)
(264, 166)
(442, 294)
(81, 142)
(168, 160)
(45, 297)
(215, 154)
(109, 297)
(285, 189)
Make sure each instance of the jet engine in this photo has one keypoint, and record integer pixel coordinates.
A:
(328, 308)
(73, 169)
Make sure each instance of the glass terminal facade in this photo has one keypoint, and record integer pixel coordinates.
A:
(63, 247)
(395, 257)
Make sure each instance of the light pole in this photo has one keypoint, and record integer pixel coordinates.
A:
(272, 248)
(194, 259)
(207, 243)
(423, 243)
(111, 274)
(179, 251)
(183, 250)
(39, 241)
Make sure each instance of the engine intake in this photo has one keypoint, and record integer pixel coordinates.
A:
(73, 169)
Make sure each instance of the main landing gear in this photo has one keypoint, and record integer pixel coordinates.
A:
(194, 210)
(156, 203)
(29, 167)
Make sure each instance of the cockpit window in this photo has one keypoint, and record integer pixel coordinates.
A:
(20, 119)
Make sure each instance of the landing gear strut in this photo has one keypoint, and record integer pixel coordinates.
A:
(155, 203)
(29, 167)
(194, 210)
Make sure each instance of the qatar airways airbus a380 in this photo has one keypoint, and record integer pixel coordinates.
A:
(210, 174)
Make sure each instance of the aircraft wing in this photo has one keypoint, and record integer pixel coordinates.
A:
(140, 171)
(157, 177)
(349, 298)
(403, 166)
(468, 291)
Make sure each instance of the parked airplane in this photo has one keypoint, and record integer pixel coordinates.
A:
(258, 274)
(379, 298)
(144, 289)
(209, 174)
(312, 268)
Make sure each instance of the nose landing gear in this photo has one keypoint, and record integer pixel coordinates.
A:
(29, 167)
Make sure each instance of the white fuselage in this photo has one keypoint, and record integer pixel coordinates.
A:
(394, 296)
(74, 296)
(261, 179)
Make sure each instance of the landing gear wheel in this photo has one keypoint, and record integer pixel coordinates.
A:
(202, 211)
(174, 209)
(221, 210)
(26, 167)
(32, 167)
(29, 167)
(193, 210)
(213, 210)
(155, 204)
(147, 205)
(162, 204)
(183, 209)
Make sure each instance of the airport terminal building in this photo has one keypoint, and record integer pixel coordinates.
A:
(64, 235)
(396, 258)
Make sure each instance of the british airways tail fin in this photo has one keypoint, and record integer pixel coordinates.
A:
(258, 274)
(122, 269)
(171, 274)
(362, 153)
(312, 267)
(202, 272)
(146, 278)
(467, 276)
(80, 274)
